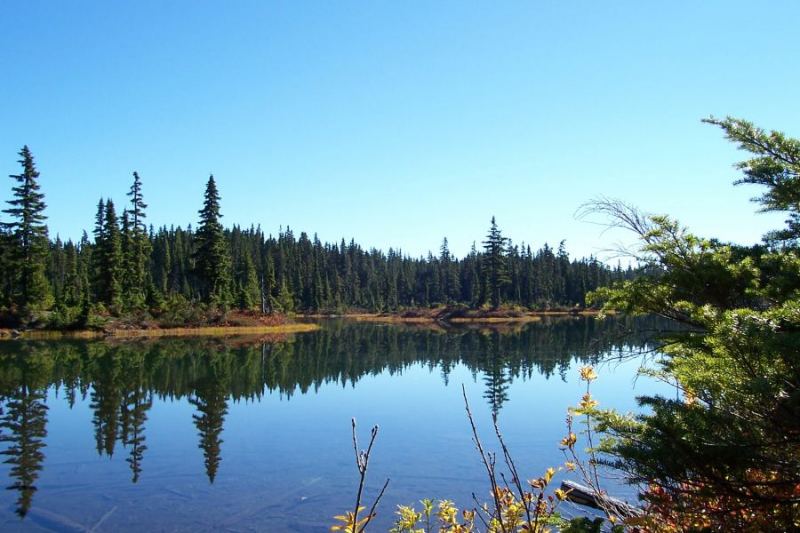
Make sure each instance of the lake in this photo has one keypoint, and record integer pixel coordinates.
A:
(254, 434)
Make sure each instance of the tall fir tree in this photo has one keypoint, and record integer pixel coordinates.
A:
(212, 256)
(248, 290)
(109, 259)
(138, 254)
(27, 238)
(495, 264)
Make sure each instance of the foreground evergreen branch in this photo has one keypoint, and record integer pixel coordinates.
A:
(725, 455)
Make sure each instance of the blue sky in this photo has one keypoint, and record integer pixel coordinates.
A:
(397, 123)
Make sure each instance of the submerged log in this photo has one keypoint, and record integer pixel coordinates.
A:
(582, 495)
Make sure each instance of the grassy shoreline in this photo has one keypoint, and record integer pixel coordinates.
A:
(204, 331)
(443, 315)
(440, 315)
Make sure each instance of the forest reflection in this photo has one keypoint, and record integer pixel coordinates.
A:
(122, 379)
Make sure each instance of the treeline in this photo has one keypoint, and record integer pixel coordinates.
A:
(126, 267)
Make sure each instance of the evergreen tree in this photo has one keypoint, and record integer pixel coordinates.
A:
(724, 455)
(249, 291)
(212, 257)
(85, 272)
(138, 254)
(28, 238)
(450, 283)
(109, 259)
(495, 264)
(268, 288)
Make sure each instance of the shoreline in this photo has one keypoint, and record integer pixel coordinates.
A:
(413, 316)
(442, 316)
(203, 331)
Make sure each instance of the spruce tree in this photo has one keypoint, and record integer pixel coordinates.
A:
(268, 285)
(138, 254)
(28, 238)
(495, 264)
(109, 259)
(212, 257)
(249, 293)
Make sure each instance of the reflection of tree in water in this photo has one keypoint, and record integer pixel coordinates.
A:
(120, 401)
(211, 401)
(136, 401)
(123, 379)
(24, 429)
(106, 398)
(23, 426)
(132, 418)
(496, 378)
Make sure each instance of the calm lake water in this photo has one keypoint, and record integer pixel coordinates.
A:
(254, 434)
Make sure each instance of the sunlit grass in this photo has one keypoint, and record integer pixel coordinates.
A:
(211, 331)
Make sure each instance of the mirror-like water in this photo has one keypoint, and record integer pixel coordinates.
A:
(254, 434)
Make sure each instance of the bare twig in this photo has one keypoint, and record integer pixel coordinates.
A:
(488, 461)
(362, 463)
(481, 509)
(514, 474)
(376, 502)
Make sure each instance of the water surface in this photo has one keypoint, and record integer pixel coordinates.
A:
(254, 434)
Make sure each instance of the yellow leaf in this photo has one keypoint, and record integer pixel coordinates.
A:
(549, 475)
(588, 373)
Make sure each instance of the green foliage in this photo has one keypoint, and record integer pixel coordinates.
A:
(176, 311)
(495, 264)
(249, 291)
(776, 166)
(136, 249)
(583, 524)
(108, 258)
(63, 317)
(723, 456)
(131, 271)
(212, 255)
(26, 242)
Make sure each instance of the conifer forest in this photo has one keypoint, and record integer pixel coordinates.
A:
(127, 267)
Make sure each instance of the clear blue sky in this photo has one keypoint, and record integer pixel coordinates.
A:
(397, 123)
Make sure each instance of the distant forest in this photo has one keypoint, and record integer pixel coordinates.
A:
(126, 266)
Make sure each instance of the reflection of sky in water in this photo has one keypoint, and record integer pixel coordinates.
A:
(287, 464)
